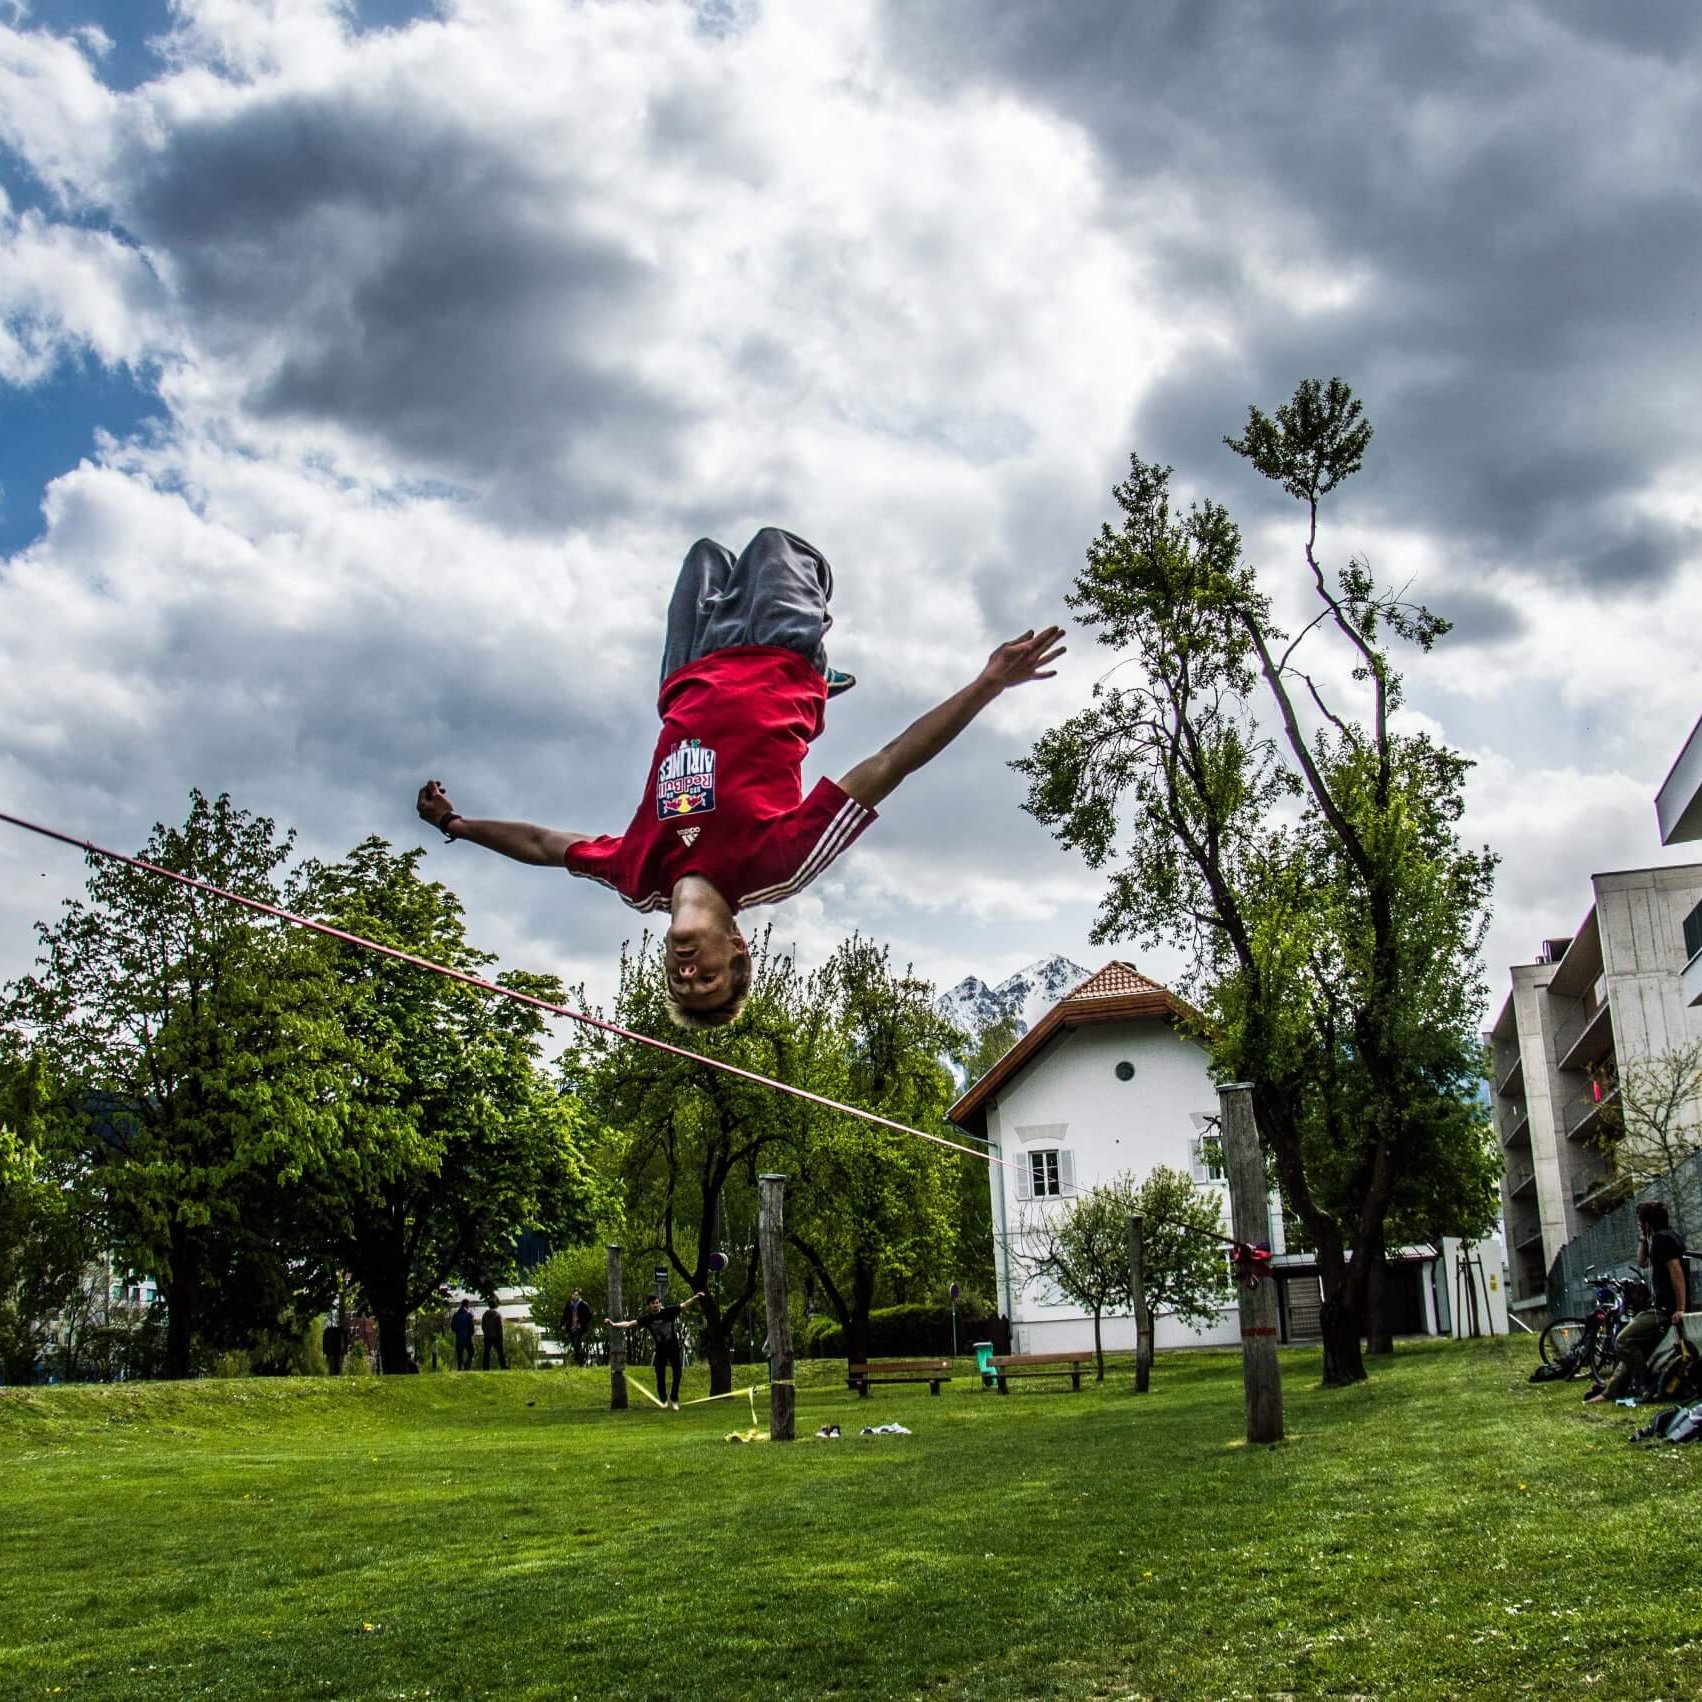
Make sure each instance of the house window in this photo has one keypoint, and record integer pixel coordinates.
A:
(1046, 1173)
(1043, 1175)
(1208, 1159)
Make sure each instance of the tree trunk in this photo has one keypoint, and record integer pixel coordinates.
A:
(1379, 1336)
(857, 1324)
(1338, 1319)
(181, 1290)
(718, 1350)
(1098, 1350)
(392, 1321)
(1143, 1365)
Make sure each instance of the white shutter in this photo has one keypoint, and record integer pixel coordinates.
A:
(1198, 1159)
(1024, 1178)
(1066, 1171)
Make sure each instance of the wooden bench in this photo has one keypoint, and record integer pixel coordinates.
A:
(933, 1372)
(1008, 1365)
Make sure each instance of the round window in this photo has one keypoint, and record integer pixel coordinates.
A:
(1125, 1071)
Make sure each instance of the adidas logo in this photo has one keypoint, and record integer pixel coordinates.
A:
(689, 834)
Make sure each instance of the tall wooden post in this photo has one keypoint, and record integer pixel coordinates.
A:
(1137, 1302)
(1250, 1223)
(782, 1402)
(617, 1338)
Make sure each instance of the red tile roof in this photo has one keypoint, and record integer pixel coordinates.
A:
(1116, 993)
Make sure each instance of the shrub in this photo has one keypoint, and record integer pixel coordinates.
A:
(900, 1332)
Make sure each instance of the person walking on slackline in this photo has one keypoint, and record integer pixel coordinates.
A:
(663, 1323)
(723, 822)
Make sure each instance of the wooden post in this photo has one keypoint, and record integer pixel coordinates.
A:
(1250, 1223)
(782, 1402)
(617, 1338)
(1137, 1303)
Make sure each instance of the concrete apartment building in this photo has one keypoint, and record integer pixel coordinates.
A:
(1627, 986)
(1678, 808)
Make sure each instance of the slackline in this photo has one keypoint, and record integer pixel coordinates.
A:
(485, 986)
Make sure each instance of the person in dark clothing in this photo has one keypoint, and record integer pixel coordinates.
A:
(334, 1339)
(576, 1322)
(462, 1324)
(663, 1323)
(1662, 1253)
(491, 1324)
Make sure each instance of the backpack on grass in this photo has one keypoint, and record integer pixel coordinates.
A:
(1674, 1369)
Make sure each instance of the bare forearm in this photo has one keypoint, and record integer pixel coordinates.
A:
(543, 847)
(923, 740)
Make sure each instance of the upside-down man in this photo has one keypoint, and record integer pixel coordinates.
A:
(723, 822)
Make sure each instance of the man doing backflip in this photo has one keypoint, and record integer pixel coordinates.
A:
(723, 822)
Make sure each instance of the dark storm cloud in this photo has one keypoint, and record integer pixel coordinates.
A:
(421, 291)
(1514, 189)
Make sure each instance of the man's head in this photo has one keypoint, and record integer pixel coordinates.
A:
(466, 1304)
(705, 959)
(653, 1304)
(1653, 1217)
(574, 1295)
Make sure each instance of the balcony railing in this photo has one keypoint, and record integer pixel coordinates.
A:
(1570, 1033)
(1693, 933)
(1518, 1181)
(1518, 1123)
(1582, 1114)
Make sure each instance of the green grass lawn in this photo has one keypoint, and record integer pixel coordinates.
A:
(1446, 1529)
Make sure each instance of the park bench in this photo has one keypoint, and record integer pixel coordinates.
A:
(933, 1372)
(1008, 1365)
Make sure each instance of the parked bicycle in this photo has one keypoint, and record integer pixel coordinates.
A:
(1586, 1345)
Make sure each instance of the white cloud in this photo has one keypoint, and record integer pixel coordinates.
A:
(466, 329)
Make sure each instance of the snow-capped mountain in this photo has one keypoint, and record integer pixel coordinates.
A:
(1028, 995)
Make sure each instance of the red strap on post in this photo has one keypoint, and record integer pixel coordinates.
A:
(1251, 1263)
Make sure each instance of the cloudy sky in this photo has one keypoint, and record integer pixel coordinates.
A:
(367, 365)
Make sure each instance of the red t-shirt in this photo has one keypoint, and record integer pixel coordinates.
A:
(724, 798)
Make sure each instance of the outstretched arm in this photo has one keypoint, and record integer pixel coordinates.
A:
(1014, 663)
(543, 846)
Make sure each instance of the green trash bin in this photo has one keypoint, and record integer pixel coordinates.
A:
(984, 1363)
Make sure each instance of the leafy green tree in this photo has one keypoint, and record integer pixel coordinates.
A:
(871, 1206)
(450, 1143)
(1080, 1248)
(45, 1231)
(193, 1038)
(1184, 1269)
(1314, 871)
(1652, 1126)
(585, 1268)
(684, 1143)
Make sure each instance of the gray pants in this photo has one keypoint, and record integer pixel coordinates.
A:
(1637, 1340)
(776, 592)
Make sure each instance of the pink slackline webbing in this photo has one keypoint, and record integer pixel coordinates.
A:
(485, 986)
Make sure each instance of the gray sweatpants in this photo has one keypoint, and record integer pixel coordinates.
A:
(776, 592)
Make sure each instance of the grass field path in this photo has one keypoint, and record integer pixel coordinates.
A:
(1446, 1529)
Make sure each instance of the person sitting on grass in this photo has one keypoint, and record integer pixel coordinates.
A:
(1663, 1253)
(723, 823)
(663, 1323)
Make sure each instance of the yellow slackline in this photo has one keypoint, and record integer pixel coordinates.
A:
(752, 1390)
(628, 1377)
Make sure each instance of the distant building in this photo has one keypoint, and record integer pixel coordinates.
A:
(1678, 808)
(1108, 1081)
(1590, 1004)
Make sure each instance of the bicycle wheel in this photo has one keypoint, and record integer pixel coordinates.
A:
(1562, 1339)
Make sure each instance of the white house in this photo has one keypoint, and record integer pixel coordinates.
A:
(1108, 1081)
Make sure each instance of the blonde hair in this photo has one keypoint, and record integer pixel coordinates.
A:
(739, 974)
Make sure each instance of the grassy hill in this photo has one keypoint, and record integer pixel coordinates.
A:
(1445, 1530)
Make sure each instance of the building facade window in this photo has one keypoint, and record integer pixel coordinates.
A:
(1208, 1159)
(1043, 1180)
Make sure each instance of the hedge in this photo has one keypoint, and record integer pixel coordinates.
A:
(899, 1332)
